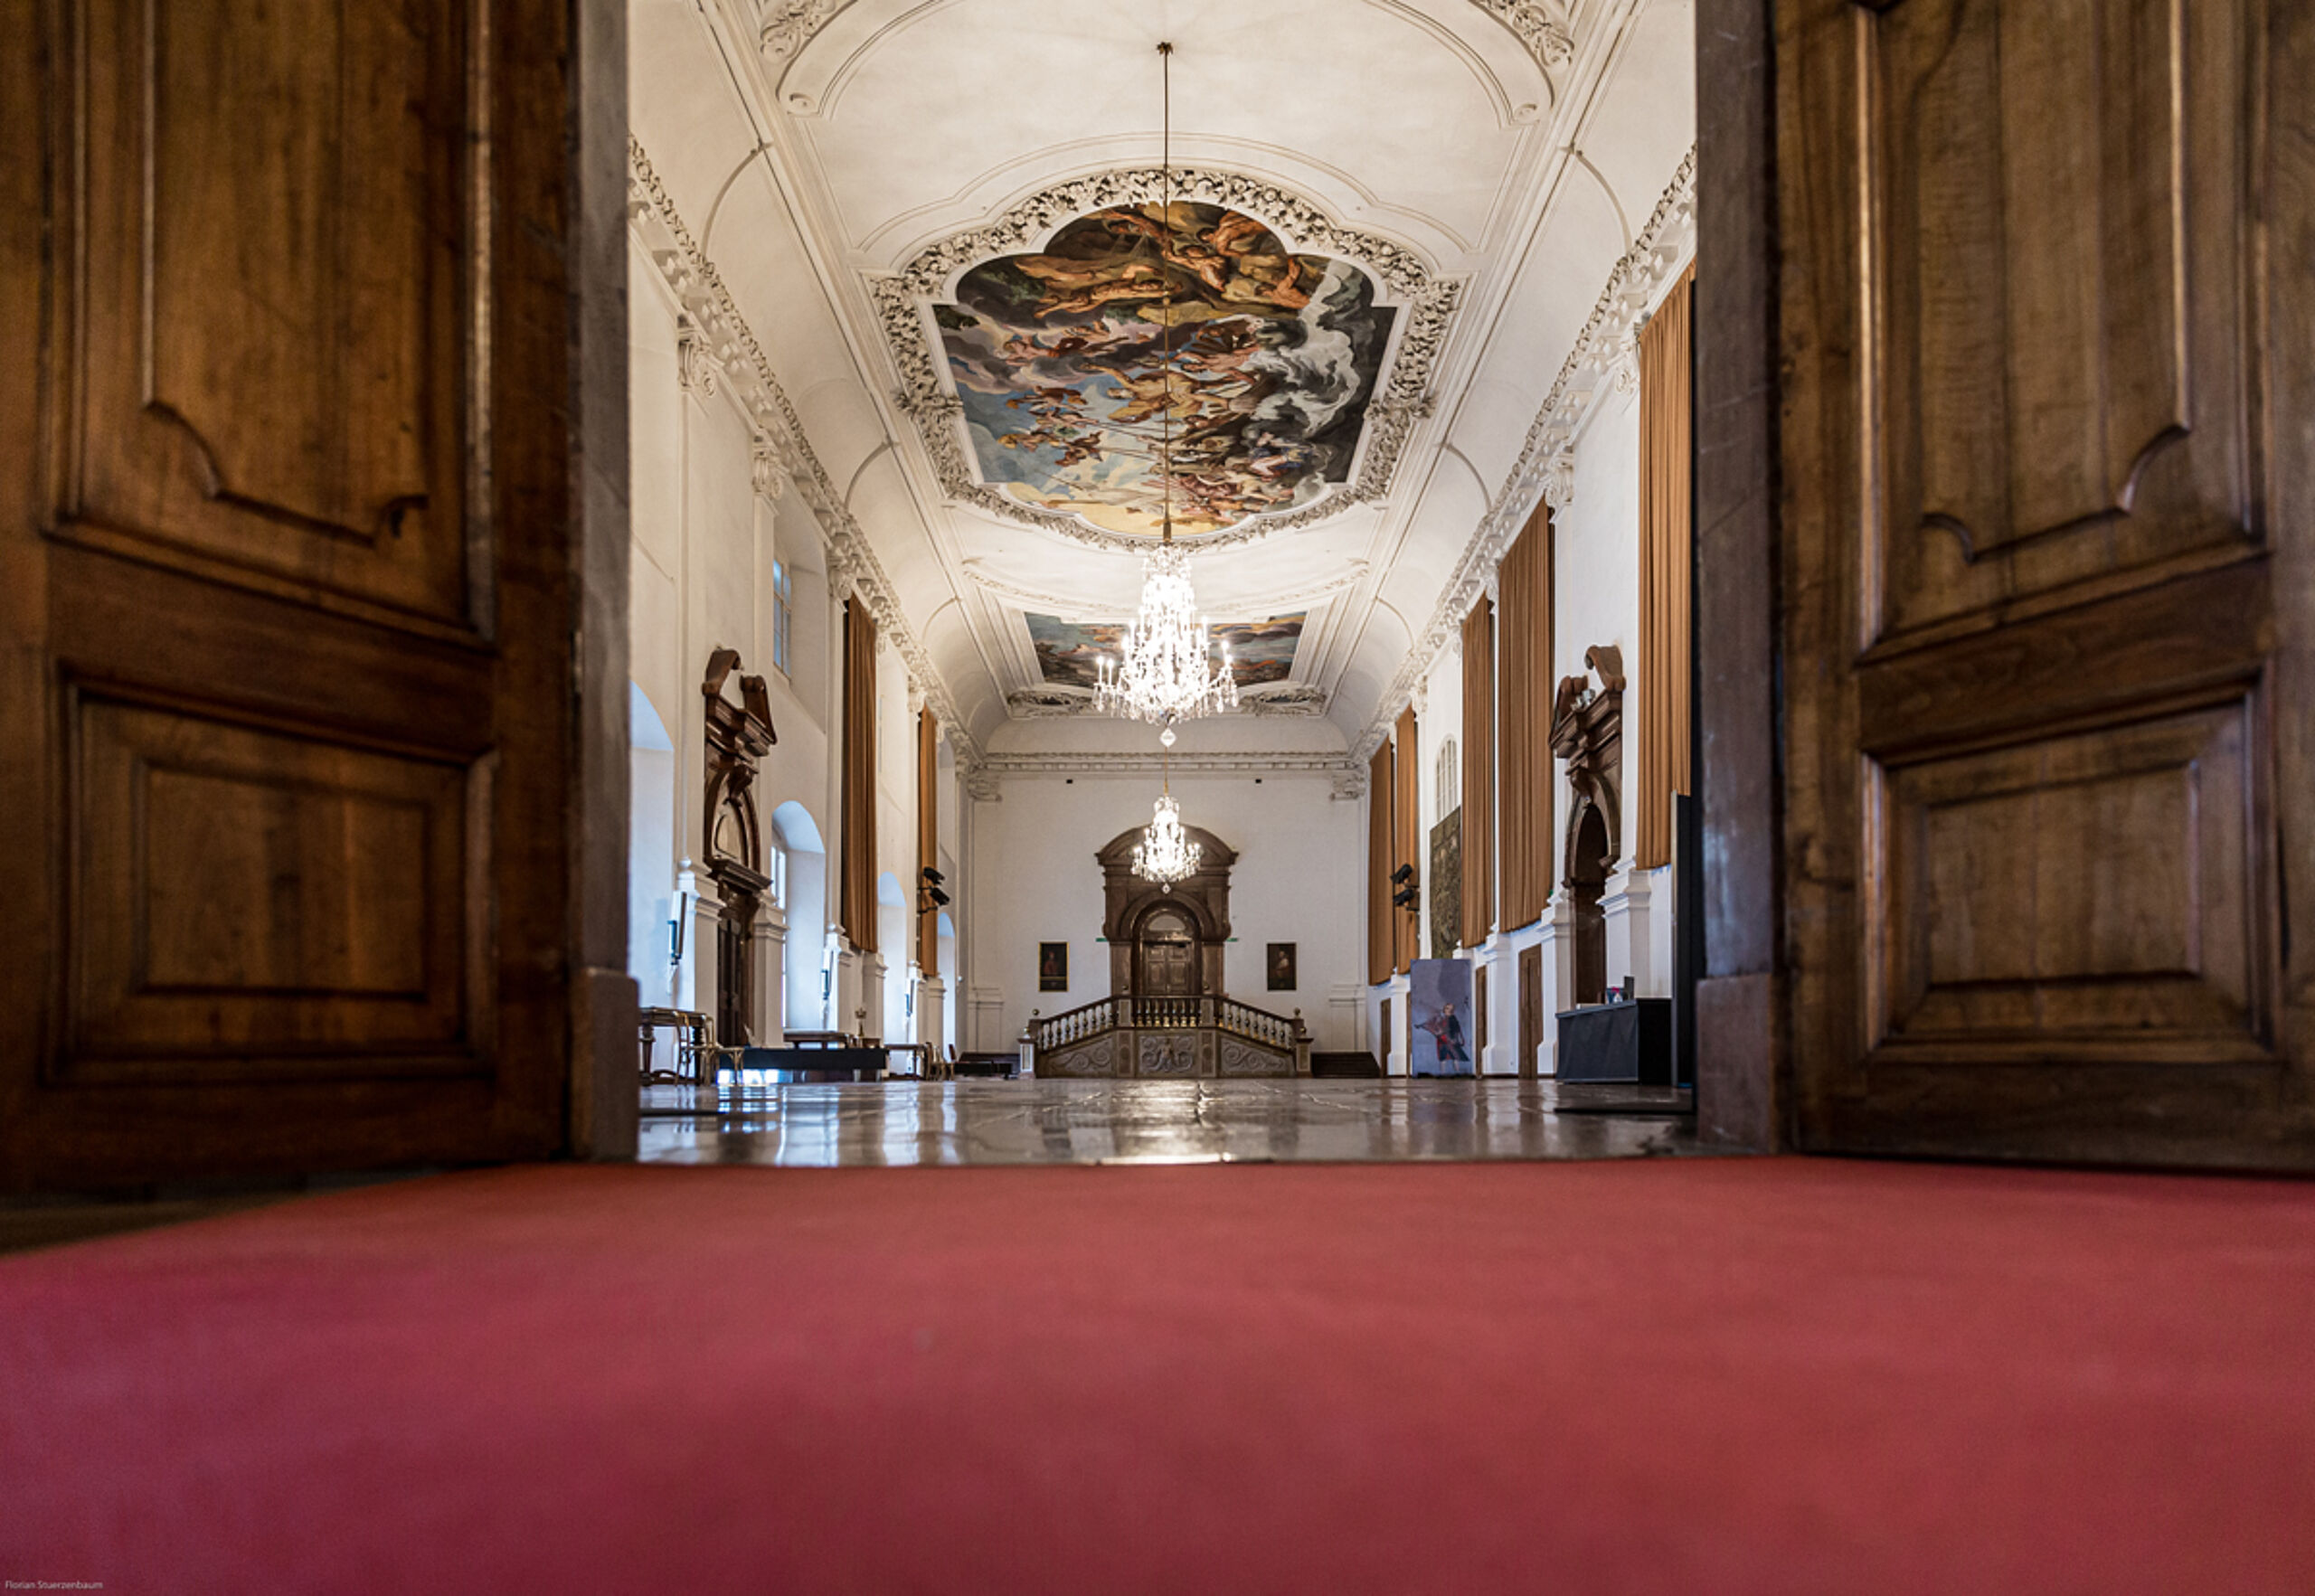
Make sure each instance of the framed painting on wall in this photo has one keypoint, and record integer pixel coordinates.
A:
(1280, 965)
(1053, 967)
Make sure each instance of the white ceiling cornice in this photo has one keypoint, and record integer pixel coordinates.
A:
(1604, 356)
(722, 334)
(1347, 774)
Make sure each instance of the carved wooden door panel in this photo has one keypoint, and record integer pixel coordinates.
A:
(2050, 346)
(286, 689)
(1166, 968)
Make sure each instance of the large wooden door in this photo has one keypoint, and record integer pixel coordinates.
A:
(1167, 957)
(2049, 474)
(287, 587)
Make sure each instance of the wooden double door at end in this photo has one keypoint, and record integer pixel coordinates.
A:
(2049, 327)
(286, 595)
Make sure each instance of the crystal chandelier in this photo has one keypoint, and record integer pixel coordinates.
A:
(1165, 854)
(1167, 672)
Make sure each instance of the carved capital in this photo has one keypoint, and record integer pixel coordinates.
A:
(696, 370)
(1559, 482)
(774, 476)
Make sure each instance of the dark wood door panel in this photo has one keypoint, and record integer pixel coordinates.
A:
(263, 354)
(2044, 597)
(2091, 897)
(2061, 364)
(253, 902)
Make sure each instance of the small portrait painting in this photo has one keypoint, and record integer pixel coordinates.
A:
(1053, 967)
(1280, 966)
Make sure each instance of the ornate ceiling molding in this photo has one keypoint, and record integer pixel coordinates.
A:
(1248, 763)
(1302, 596)
(720, 335)
(1050, 699)
(784, 26)
(926, 394)
(1605, 357)
(1546, 29)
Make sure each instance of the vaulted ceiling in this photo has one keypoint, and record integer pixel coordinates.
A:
(1487, 174)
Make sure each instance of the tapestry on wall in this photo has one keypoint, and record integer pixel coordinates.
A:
(1446, 885)
(1146, 323)
(1438, 1015)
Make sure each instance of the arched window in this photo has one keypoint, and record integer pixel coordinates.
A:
(783, 609)
(1450, 778)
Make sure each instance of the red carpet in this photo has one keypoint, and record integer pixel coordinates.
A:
(1768, 1376)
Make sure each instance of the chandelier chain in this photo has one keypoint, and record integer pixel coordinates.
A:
(1166, 671)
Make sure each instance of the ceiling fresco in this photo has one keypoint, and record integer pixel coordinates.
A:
(1068, 652)
(1073, 362)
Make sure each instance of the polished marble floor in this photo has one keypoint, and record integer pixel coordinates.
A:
(1014, 1122)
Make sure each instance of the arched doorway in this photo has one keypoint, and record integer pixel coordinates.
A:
(1164, 954)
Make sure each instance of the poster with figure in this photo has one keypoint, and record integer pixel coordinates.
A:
(1440, 1017)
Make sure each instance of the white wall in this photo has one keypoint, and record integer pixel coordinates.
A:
(1300, 878)
(704, 541)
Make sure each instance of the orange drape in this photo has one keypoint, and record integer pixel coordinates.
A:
(1406, 814)
(1524, 771)
(928, 838)
(857, 871)
(1479, 774)
(1665, 535)
(1380, 955)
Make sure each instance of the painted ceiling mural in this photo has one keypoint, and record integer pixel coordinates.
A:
(1073, 363)
(1068, 652)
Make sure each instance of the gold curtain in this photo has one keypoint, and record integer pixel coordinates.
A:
(1380, 955)
(1479, 774)
(1524, 772)
(1407, 812)
(856, 894)
(928, 838)
(1664, 419)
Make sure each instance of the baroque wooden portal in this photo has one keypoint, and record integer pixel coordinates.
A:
(737, 736)
(1165, 943)
(1588, 732)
